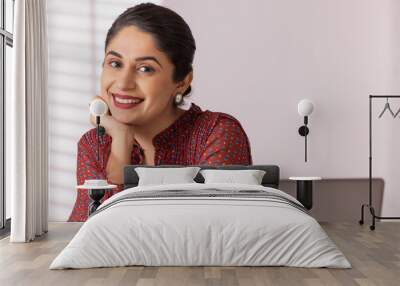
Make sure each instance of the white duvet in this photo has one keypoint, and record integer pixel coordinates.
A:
(183, 231)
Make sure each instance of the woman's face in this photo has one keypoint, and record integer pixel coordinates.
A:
(134, 67)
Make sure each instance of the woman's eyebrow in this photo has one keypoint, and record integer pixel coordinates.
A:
(149, 58)
(137, 59)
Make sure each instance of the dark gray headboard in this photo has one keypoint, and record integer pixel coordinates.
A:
(270, 179)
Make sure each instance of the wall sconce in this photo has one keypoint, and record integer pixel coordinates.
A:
(305, 108)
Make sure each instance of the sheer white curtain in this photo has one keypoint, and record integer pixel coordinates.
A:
(26, 123)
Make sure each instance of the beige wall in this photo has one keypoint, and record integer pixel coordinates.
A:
(254, 61)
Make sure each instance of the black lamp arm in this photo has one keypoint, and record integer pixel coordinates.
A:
(303, 131)
(100, 131)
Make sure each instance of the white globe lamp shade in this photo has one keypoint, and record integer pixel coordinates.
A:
(98, 107)
(305, 107)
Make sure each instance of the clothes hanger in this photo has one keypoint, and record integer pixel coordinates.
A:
(387, 107)
(398, 111)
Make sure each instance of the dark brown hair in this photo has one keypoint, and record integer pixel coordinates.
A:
(171, 33)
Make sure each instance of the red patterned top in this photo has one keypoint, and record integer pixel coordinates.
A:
(196, 138)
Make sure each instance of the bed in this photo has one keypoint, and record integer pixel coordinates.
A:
(201, 224)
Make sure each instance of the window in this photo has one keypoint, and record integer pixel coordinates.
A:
(6, 44)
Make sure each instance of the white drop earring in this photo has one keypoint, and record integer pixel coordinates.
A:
(178, 98)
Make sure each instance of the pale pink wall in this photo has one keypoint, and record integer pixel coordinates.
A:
(255, 60)
(390, 142)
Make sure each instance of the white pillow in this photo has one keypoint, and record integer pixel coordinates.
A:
(250, 176)
(162, 176)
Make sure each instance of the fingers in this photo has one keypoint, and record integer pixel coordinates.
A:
(93, 120)
(100, 97)
(105, 121)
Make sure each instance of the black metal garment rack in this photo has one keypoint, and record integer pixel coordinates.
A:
(369, 205)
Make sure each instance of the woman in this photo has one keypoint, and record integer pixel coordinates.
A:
(147, 70)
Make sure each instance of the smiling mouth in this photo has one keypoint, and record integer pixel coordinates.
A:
(126, 102)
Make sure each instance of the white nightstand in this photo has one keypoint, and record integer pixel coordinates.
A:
(304, 190)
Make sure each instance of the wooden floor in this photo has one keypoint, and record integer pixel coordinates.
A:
(375, 257)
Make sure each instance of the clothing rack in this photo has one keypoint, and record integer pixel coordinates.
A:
(369, 205)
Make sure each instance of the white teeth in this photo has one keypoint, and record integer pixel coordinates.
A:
(127, 101)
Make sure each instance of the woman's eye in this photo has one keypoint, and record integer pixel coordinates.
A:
(145, 69)
(114, 64)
